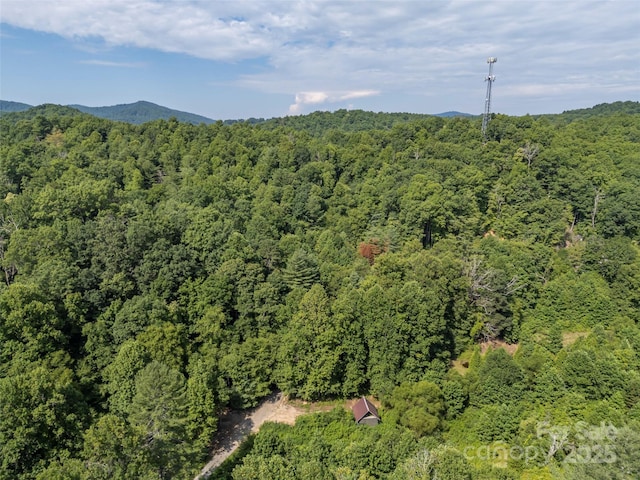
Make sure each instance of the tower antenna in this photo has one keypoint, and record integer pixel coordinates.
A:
(487, 101)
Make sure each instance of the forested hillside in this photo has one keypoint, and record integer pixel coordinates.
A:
(136, 113)
(141, 112)
(156, 274)
(602, 109)
(7, 107)
(318, 123)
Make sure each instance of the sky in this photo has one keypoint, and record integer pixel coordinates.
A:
(231, 59)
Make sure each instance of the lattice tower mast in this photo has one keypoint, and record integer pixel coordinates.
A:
(487, 101)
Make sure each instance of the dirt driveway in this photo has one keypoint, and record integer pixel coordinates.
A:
(235, 427)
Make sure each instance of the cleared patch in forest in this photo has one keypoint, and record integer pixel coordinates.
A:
(569, 338)
(236, 425)
(510, 348)
(460, 366)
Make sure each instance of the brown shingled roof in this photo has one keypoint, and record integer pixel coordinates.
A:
(364, 409)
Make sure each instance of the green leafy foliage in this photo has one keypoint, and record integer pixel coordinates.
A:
(417, 406)
(159, 410)
(155, 275)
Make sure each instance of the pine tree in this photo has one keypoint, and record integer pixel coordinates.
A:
(159, 408)
(302, 270)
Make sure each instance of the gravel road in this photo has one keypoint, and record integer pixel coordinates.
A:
(235, 427)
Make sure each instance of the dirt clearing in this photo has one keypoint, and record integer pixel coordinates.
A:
(235, 427)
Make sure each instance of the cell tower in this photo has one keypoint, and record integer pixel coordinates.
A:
(487, 101)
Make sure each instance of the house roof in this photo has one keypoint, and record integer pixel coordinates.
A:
(362, 408)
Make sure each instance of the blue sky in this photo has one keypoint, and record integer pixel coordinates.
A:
(251, 58)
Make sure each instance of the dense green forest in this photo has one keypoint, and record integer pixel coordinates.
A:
(157, 274)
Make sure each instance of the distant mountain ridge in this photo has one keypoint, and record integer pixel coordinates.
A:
(143, 111)
(8, 107)
(453, 114)
(136, 113)
(627, 107)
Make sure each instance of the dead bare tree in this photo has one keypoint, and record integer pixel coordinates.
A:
(489, 291)
(530, 152)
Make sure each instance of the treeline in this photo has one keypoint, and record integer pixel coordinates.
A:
(155, 275)
(319, 123)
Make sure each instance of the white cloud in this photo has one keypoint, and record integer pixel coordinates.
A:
(316, 98)
(307, 98)
(106, 63)
(358, 94)
(431, 49)
(203, 29)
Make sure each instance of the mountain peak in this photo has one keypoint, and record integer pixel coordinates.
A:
(142, 111)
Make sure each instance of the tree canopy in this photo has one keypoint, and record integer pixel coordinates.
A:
(158, 274)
